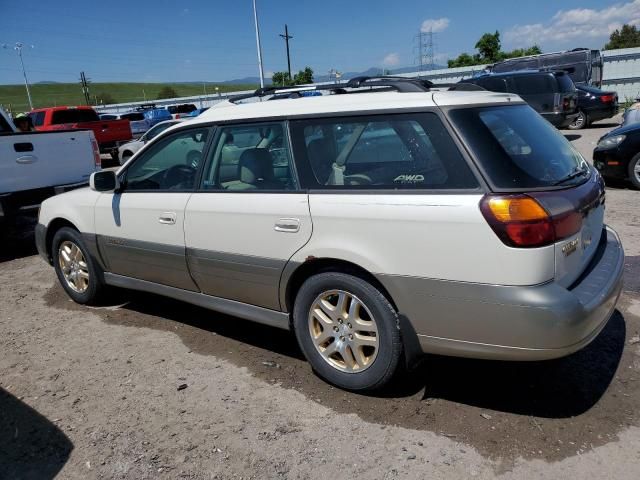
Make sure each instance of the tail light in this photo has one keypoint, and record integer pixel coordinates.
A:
(520, 221)
(566, 103)
(96, 152)
(607, 98)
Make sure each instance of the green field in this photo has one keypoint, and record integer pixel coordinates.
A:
(14, 97)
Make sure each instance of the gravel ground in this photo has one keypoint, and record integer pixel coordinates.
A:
(147, 387)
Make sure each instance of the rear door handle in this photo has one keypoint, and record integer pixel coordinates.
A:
(287, 225)
(167, 218)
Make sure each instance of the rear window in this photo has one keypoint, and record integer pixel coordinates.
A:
(517, 148)
(389, 152)
(565, 83)
(73, 115)
(132, 117)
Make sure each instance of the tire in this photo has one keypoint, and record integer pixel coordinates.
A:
(634, 171)
(581, 121)
(82, 290)
(365, 340)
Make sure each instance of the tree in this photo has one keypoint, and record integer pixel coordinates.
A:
(167, 92)
(105, 98)
(627, 37)
(489, 47)
(303, 77)
(281, 79)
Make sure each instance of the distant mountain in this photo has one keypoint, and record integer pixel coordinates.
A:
(47, 82)
(374, 71)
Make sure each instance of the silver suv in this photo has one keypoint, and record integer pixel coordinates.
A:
(383, 219)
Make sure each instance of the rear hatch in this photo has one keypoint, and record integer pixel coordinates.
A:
(543, 192)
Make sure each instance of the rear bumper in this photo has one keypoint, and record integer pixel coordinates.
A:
(596, 114)
(513, 323)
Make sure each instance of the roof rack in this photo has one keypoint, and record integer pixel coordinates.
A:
(399, 84)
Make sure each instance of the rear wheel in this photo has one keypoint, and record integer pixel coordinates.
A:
(634, 171)
(77, 272)
(348, 331)
(580, 122)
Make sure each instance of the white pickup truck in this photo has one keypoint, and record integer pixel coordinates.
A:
(38, 165)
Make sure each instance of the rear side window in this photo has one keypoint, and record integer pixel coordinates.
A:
(73, 115)
(132, 117)
(493, 84)
(534, 84)
(37, 118)
(390, 152)
(517, 148)
(565, 83)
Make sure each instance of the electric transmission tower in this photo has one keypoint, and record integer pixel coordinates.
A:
(424, 48)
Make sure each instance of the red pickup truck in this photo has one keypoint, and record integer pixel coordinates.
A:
(110, 134)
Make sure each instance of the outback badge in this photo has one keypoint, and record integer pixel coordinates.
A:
(570, 247)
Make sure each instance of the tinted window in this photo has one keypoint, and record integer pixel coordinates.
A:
(565, 83)
(37, 118)
(493, 84)
(132, 117)
(517, 147)
(382, 152)
(157, 130)
(74, 115)
(108, 116)
(250, 157)
(170, 164)
(533, 84)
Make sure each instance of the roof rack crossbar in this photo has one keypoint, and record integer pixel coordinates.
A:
(400, 84)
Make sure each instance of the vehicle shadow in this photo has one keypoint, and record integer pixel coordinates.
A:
(555, 389)
(17, 239)
(571, 136)
(560, 388)
(31, 447)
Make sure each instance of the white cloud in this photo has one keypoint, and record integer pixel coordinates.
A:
(575, 28)
(435, 25)
(391, 60)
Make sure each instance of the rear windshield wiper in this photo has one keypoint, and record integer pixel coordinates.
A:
(578, 172)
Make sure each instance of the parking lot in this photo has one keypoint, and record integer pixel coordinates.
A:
(147, 387)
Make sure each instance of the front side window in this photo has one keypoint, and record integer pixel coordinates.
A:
(250, 157)
(170, 164)
(407, 151)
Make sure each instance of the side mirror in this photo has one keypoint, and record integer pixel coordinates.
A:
(104, 181)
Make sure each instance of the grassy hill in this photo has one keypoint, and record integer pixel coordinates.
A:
(14, 97)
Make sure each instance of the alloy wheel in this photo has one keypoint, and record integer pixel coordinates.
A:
(73, 266)
(343, 331)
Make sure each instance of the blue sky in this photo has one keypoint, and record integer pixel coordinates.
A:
(209, 40)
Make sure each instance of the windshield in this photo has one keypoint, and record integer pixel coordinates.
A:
(519, 149)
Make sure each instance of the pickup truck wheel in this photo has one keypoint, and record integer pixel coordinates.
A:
(125, 157)
(348, 331)
(634, 171)
(77, 272)
(580, 122)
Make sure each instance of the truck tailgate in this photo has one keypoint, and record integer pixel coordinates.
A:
(45, 159)
(109, 131)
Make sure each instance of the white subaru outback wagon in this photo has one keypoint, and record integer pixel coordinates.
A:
(378, 221)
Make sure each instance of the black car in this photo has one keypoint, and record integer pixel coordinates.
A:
(593, 105)
(551, 94)
(617, 154)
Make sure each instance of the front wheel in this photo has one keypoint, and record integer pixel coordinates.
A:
(580, 122)
(348, 331)
(634, 171)
(77, 272)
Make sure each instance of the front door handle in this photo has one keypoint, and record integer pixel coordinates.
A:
(167, 218)
(25, 159)
(287, 225)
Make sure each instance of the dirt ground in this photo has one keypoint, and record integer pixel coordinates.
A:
(147, 387)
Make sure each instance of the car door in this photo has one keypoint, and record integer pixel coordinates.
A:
(243, 226)
(140, 229)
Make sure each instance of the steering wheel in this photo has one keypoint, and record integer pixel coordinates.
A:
(178, 174)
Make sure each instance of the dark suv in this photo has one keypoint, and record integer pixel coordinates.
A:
(552, 94)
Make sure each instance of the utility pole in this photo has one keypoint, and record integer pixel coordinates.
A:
(286, 37)
(85, 88)
(18, 48)
(258, 46)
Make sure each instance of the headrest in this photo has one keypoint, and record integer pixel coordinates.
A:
(255, 164)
